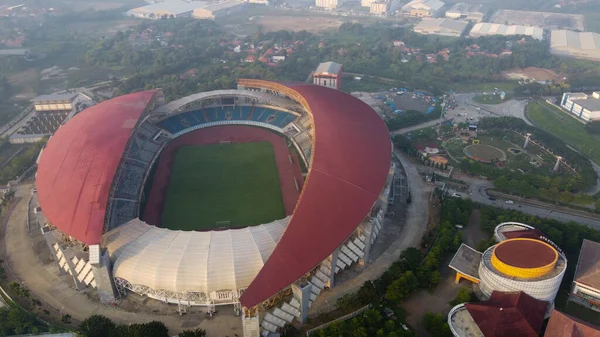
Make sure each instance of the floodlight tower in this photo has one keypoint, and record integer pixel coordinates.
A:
(527, 136)
(558, 159)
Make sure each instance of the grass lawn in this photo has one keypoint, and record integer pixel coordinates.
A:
(592, 22)
(567, 128)
(238, 183)
(490, 99)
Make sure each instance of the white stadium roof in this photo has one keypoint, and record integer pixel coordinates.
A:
(484, 28)
(190, 261)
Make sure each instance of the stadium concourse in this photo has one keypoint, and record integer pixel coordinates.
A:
(95, 172)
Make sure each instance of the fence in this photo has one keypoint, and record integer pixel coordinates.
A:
(341, 319)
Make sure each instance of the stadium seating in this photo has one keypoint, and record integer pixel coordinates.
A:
(122, 211)
(263, 114)
(43, 123)
(131, 180)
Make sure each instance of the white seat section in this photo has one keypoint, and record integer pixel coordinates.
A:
(359, 244)
(327, 263)
(269, 317)
(79, 266)
(283, 315)
(265, 332)
(343, 257)
(313, 297)
(317, 282)
(362, 238)
(325, 270)
(270, 327)
(322, 276)
(337, 269)
(315, 290)
(350, 253)
(340, 264)
(291, 310)
(89, 278)
(355, 249)
(295, 303)
(75, 260)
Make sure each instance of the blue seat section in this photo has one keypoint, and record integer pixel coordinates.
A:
(188, 119)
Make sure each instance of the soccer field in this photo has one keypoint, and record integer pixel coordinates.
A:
(217, 183)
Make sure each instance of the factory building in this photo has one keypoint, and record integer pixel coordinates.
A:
(182, 9)
(585, 290)
(217, 10)
(487, 29)
(328, 74)
(422, 8)
(379, 7)
(329, 4)
(466, 11)
(439, 26)
(583, 106)
(584, 45)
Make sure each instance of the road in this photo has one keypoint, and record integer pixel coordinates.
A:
(414, 229)
(478, 189)
(416, 127)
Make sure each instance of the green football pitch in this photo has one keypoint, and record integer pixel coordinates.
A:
(223, 185)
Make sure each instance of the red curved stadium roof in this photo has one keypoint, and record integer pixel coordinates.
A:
(350, 162)
(77, 166)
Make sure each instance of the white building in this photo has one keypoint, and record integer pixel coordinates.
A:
(422, 8)
(584, 45)
(175, 8)
(445, 27)
(581, 105)
(465, 11)
(586, 283)
(217, 10)
(329, 4)
(379, 7)
(487, 29)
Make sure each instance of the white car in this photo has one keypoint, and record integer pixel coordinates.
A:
(456, 195)
(510, 202)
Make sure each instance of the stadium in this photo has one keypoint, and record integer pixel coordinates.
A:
(253, 197)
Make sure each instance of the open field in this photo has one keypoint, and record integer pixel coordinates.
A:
(532, 73)
(271, 23)
(236, 182)
(561, 125)
(539, 19)
(479, 87)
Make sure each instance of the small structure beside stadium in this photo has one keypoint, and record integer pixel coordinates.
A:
(328, 74)
(106, 213)
(585, 290)
(523, 260)
(581, 105)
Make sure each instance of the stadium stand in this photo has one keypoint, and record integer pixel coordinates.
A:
(257, 113)
(44, 123)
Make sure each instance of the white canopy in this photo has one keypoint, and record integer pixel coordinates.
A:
(190, 261)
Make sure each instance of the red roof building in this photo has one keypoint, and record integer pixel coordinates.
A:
(562, 325)
(509, 314)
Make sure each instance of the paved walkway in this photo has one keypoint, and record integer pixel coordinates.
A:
(417, 218)
(45, 284)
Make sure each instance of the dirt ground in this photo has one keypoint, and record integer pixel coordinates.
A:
(539, 19)
(275, 23)
(532, 73)
(24, 83)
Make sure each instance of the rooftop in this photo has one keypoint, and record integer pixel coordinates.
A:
(588, 265)
(562, 325)
(434, 5)
(462, 323)
(484, 28)
(55, 97)
(587, 101)
(466, 261)
(508, 314)
(328, 68)
(449, 24)
(171, 6)
(466, 8)
(570, 39)
(525, 253)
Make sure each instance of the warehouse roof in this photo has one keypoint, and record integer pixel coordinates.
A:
(484, 28)
(448, 24)
(588, 265)
(171, 6)
(434, 5)
(587, 101)
(55, 97)
(466, 8)
(567, 38)
(328, 68)
(77, 167)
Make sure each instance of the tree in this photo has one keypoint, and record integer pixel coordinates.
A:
(402, 287)
(436, 325)
(193, 333)
(152, 329)
(97, 326)
(463, 296)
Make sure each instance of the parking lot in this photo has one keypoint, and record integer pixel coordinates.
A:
(468, 111)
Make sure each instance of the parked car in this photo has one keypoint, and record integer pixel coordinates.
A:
(510, 202)
(492, 198)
